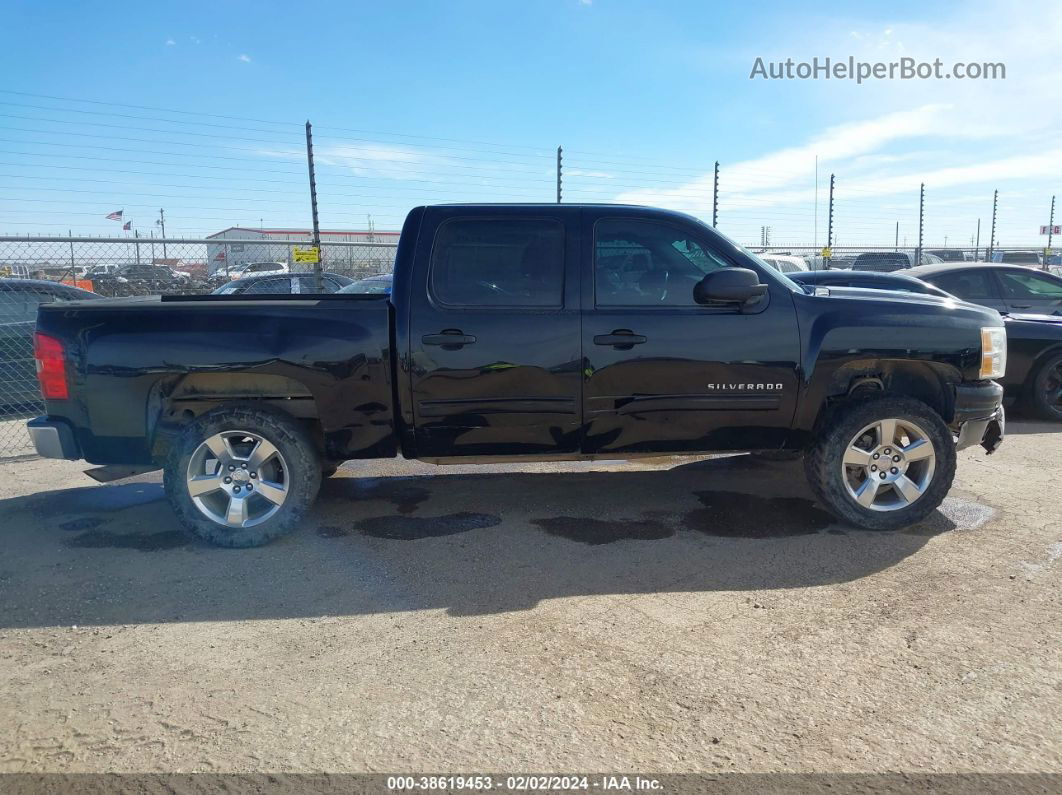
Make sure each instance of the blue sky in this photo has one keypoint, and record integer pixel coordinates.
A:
(415, 102)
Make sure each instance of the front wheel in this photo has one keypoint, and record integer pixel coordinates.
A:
(240, 475)
(883, 463)
(1045, 389)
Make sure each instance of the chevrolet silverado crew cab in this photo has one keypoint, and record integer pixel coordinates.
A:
(521, 332)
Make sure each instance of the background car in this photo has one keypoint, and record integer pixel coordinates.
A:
(785, 263)
(888, 261)
(950, 254)
(371, 285)
(1005, 288)
(1029, 258)
(282, 284)
(153, 276)
(19, 299)
(243, 269)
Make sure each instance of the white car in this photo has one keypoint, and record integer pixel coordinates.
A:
(244, 269)
(785, 263)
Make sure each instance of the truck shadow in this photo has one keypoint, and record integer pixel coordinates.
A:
(478, 543)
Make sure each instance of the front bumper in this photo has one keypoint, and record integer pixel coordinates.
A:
(53, 439)
(979, 416)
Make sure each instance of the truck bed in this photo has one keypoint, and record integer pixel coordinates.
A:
(326, 356)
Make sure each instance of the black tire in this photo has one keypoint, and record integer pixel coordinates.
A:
(302, 473)
(826, 474)
(1044, 397)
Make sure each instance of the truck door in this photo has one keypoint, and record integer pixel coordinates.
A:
(664, 373)
(494, 334)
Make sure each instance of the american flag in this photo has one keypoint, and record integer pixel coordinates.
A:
(127, 226)
(115, 216)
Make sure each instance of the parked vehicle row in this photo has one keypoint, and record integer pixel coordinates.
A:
(526, 331)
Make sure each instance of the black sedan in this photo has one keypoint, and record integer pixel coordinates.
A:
(19, 299)
(283, 284)
(1034, 342)
(1005, 288)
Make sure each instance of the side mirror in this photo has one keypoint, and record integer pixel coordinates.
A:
(729, 286)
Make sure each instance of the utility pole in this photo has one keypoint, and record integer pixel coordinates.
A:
(977, 243)
(715, 198)
(136, 237)
(560, 171)
(896, 241)
(815, 231)
(921, 221)
(992, 236)
(1050, 232)
(829, 226)
(318, 285)
(162, 223)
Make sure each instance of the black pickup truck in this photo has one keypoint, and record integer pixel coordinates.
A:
(523, 332)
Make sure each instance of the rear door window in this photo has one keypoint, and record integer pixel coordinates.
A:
(498, 262)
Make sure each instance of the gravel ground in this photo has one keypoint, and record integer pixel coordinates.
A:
(665, 615)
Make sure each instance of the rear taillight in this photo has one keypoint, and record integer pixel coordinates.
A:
(51, 367)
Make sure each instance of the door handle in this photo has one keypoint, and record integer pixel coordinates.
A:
(1021, 306)
(621, 338)
(450, 338)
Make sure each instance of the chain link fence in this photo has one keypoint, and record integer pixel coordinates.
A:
(45, 270)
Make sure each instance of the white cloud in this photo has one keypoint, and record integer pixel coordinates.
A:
(170, 43)
(244, 57)
(963, 138)
(581, 172)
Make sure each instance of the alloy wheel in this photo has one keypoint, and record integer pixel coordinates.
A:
(237, 479)
(888, 465)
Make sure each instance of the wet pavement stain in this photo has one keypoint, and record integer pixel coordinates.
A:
(83, 523)
(599, 531)
(403, 495)
(731, 514)
(411, 528)
(149, 542)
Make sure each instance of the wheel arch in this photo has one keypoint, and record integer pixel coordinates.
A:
(931, 383)
(176, 401)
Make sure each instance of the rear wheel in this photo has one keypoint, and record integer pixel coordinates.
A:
(883, 464)
(1045, 389)
(240, 476)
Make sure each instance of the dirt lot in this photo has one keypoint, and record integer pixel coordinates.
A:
(675, 615)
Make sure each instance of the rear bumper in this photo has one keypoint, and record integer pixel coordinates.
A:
(979, 416)
(53, 439)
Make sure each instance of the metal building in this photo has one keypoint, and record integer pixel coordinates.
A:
(276, 246)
